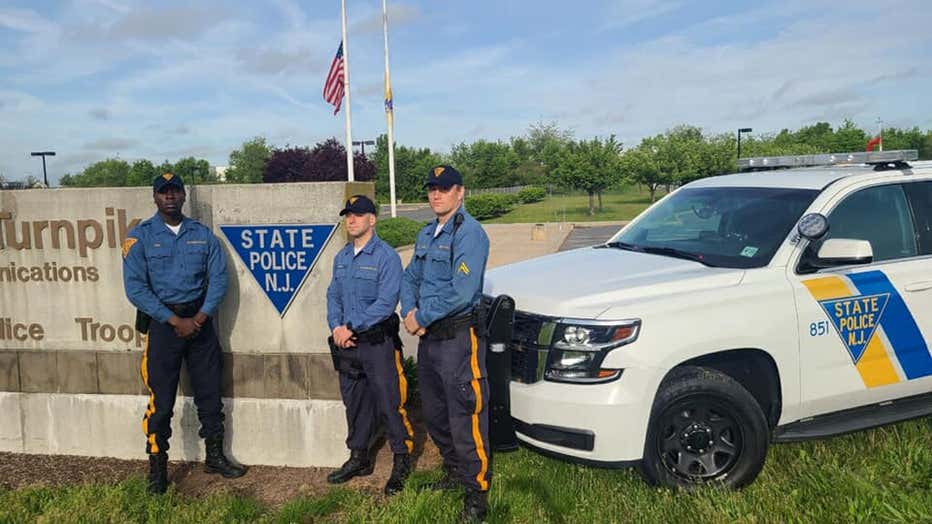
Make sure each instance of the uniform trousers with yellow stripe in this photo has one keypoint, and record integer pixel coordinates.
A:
(454, 396)
(161, 366)
(381, 390)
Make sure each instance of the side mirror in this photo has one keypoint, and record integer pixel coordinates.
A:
(845, 251)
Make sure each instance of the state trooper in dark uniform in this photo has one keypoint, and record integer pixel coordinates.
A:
(175, 273)
(440, 298)
(361, 301)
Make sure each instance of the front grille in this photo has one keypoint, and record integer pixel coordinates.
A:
(529, 348)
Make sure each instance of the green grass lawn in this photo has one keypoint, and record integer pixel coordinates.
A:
(622, 204)
(882, 475)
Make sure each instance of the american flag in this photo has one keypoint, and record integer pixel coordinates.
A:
(333, 86)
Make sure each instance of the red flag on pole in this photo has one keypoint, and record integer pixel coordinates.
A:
(333, 86)
(873, 142)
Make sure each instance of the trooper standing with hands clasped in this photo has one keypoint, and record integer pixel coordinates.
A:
(175, 273)
(440, 302)
(366, 348)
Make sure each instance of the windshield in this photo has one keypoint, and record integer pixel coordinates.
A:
(737, 227)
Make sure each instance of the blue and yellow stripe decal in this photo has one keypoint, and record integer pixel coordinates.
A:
(860, 307)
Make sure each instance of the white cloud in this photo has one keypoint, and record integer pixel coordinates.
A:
(625, 13)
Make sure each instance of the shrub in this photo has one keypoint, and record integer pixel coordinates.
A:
(490, 205)
(531, 194)
(399, 231)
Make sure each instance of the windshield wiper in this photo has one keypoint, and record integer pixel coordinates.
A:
(622, 245)
(654, 250)
(677, 253)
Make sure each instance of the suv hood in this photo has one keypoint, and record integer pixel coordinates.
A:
(584, 283)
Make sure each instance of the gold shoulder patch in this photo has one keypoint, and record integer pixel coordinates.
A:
(464, 269)
(127, 245)
(438, 171)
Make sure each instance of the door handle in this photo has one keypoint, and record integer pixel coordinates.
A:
(919, 286)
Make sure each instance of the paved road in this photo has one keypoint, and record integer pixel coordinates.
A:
(583, 236)
(421, 213)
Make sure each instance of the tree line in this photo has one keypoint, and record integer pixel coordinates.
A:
(546, 155)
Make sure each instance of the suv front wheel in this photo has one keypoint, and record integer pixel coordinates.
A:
(705, 428)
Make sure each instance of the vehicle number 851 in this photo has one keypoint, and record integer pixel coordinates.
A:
(817, 329)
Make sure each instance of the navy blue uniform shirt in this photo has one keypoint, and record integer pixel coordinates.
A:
(161, 268)
(364, 288)
(446, 273)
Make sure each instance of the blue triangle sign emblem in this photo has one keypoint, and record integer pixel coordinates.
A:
(856, 320)
(279, 256)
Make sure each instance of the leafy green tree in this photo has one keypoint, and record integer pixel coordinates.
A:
(547, 142)
(849, 137)
(411, 168)
(591, 166)
(248, 162)
(141, 173)
(486, 164)
(111, 172)
(194, 171)
(640, 165)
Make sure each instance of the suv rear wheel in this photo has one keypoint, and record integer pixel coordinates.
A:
(705, 428)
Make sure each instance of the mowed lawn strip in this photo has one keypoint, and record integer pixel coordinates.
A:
(622, 204)
(881, 475)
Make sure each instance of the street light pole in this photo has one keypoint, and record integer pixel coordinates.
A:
(43, 154)
(742, 130)
(362, 144)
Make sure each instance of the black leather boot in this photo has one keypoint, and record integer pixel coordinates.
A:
(358, 465)
(401, 468)
(475, 506)
(449, 480)
(158, 473)
(217, 462)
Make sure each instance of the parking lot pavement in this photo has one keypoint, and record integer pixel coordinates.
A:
(584, 236)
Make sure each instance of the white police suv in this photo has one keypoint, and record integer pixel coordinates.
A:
(787, 303)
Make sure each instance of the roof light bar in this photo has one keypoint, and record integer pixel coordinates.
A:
(828, 159)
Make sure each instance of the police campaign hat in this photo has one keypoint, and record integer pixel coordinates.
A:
(167, 179)
(444, 176)
(358, 205)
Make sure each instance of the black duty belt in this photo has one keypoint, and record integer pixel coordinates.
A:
(346, 360)
(186, 309)
(377, 334)
(446, 328)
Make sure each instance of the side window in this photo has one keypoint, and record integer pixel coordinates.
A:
(880, 215)
(920, 197)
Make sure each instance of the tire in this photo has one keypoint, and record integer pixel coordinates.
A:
(705, 428)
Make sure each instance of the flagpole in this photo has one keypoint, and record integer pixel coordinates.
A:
(389, 115)
(880, 123)
(346, 87)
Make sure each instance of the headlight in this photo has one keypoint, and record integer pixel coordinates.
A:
(580, 346)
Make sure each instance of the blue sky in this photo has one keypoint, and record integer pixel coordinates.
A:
(93, 79)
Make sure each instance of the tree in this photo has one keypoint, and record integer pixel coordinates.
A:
(31, 181)
(194, 171)
(486, 164)
(640, 165)
(248, 162)
(111, 172)
(141, 173)
(326, 162)
(849, 137)
(411, 168)
(546, 142)
(286, 165)
(592, 166)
